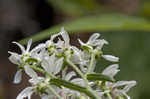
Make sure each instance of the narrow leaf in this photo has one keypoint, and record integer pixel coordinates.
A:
(98, 76)
(108, 22)
(60, 82)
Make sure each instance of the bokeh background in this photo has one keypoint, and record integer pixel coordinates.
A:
(124, 23)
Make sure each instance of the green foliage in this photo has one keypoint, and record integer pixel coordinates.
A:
(98, 76)
(108, 22)
(75, 7)
(72, 86)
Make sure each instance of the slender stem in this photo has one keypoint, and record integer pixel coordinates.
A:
(42, 71)
(54, 92)
(91, 63)
(83, 77)
(109, 96)
(119, 97)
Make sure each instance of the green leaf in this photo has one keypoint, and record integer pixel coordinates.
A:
(108, 22)
(60, 82)
(98, 76)
(75, 7)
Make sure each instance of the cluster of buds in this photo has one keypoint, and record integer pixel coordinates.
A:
(68, 71)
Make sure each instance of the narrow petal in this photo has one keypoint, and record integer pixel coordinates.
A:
(15, 58)
(30, 72)
(54, 36)
(81, 43)
(100, 43)
(78, 81)
(29, 45)
(48, 63)
(20, 46)
(130, 85)
(18, 77)
(127, 84)
(93, 38)
(111, 70)
(38, 48)
(65, 36)
(58, 66)
(111, 58)
(70, 75)
(27, 92)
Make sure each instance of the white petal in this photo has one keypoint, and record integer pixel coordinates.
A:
(30, 72)
(70, 75)
(48, 63)
(15, 58)
(81, 43)
(27, 92)
(44, 96)
(130, 85)
(59, 43)
(54, 36)
(38, 48)
(45, 64)
(29, 45)
(78, 81)
(58, 65)
(111, 58)
(93, 38)
(36, 80)
(127, 84)
(20, 46)
(65, 36)
(111, 70)
(100, 43)
(18, 77)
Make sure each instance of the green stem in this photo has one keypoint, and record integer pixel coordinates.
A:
(120, 97)
(91, 63)
(83, 77)
(54, 92)
(108, 95)
(42, 71)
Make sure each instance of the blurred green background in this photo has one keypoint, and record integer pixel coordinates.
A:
(124, 23)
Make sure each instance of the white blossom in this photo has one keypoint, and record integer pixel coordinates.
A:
(94, 41)
(111, 70)
(127, 85)
(50, 58)
(51, 64)
(27, 92)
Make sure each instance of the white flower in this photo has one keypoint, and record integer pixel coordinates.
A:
(110, 58)
(127, 85)
(111, 70)
(94, 41)
(35, 79)
(80, 57)
(25, 54)
(19, 59)
(51, 41)
(51, 64)
(65, 43)
(27, 92)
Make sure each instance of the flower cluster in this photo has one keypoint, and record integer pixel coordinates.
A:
(68, 71)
